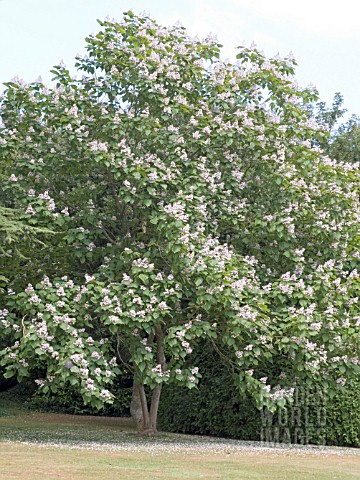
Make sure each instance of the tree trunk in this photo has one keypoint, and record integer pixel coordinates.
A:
(144, 407)
(136, 407)
(145, 419)
(154, 407)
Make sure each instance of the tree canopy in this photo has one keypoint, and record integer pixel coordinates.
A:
(194, 202)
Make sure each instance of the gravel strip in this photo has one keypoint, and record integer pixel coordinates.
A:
(202, 447)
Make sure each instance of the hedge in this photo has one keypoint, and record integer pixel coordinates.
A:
(217, 408)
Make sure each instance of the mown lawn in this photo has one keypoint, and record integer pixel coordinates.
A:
(56, 446)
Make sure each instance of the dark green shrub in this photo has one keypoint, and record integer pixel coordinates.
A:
(343, 417)
(65, 401)
(69, 401)
(6, 383)
(214, 408)
(217, 408)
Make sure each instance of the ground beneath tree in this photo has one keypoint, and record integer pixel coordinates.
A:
(118, 434)
(35, 446)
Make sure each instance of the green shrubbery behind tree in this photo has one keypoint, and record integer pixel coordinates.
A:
(216, 408)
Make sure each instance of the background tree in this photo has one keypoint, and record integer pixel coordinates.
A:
(193, 204)
(343, 142)
(329, 116)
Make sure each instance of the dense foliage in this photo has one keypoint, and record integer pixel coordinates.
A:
(191, 199)
(216, 408)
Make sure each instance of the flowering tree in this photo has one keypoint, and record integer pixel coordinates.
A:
(193, 203)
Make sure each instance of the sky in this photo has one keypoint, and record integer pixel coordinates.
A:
(324, 35)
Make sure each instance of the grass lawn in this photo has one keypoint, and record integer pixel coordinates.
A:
(32, 462)
(55, 446)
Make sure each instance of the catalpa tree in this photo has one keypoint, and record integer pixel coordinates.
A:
(191, 198)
